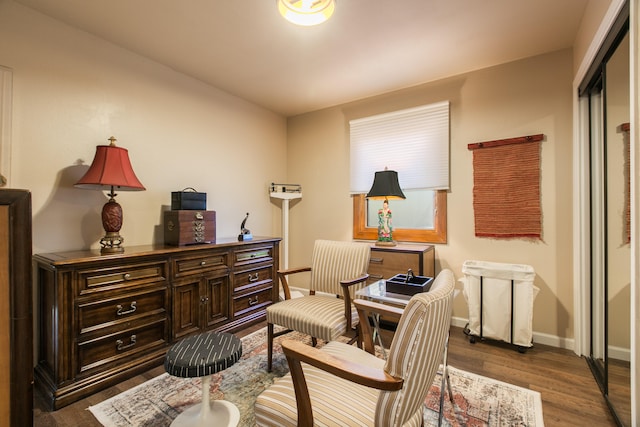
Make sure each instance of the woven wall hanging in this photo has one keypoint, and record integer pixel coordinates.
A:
(506, 188)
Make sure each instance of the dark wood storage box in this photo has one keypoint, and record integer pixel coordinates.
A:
(189, 227)
(188, 200)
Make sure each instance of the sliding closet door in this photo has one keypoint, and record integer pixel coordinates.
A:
(597, 166)
(607, 91)
(618, 247)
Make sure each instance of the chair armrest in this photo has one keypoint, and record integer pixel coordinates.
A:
(282, 275)
(294, 270)
(365, 309)
(365, 375)
(354, 281)
(372, 307)
(346, 295)
(297, 352)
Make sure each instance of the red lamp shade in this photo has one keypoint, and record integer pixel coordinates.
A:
(111, 168)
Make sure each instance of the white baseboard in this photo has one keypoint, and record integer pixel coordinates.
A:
(540, 338)
(619, 353)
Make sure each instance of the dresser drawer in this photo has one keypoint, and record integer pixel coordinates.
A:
(200, 264)
(132, 307)
(120, 277)
(120, 347)
(384, 265)
(248, 303)
(251, 278)
(256, 254)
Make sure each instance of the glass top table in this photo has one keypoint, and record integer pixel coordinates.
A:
(378, 292)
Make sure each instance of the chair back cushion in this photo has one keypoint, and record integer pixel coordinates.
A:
(333, 261)
(417, 351)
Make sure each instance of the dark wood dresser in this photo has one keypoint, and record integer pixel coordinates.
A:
(106, 318)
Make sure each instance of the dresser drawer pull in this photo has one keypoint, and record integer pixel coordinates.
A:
(253, 302)
(120, 344)
(121, 311)
(203, 263)
(376, 260)
(127, 276)
(253, 277)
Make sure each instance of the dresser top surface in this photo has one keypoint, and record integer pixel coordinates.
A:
(75, 256)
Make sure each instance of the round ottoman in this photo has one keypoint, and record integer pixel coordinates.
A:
(201, 356)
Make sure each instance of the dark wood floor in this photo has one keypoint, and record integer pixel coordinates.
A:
(570, 395)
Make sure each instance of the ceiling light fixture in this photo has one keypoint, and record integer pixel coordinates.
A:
(306, 12)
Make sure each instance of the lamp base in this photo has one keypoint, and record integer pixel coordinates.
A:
(111, 222)
(112, 243)
(386, 243)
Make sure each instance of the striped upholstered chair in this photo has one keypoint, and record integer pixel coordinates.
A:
(341, 384)
(337, 270)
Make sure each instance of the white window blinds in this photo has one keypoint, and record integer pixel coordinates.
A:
(413, 142)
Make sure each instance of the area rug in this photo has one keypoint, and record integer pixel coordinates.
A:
(479, 401)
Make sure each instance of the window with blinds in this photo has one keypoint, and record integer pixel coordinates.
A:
(415, 143)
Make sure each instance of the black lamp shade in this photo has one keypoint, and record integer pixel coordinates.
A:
(386, 186)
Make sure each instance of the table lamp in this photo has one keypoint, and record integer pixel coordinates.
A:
(385, 186)
(111, 168)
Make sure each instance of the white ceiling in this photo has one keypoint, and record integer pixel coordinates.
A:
(367, 48)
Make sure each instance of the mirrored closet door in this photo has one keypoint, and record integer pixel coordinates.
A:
(607, 90)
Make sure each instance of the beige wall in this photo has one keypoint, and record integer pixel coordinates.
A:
(591, 21)
(72, 91)
(521, 98)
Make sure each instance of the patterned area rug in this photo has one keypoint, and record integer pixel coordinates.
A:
(479, 401)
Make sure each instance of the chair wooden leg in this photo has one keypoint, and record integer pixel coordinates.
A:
(314, 341)
(269, 346)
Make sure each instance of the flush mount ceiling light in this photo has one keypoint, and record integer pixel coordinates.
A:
(306, 12)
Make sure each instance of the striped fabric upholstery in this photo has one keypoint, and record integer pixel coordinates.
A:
(333, 261)
(335, 401)
(319, 316)
(323, 316)
(423, 330)
(415, 354)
